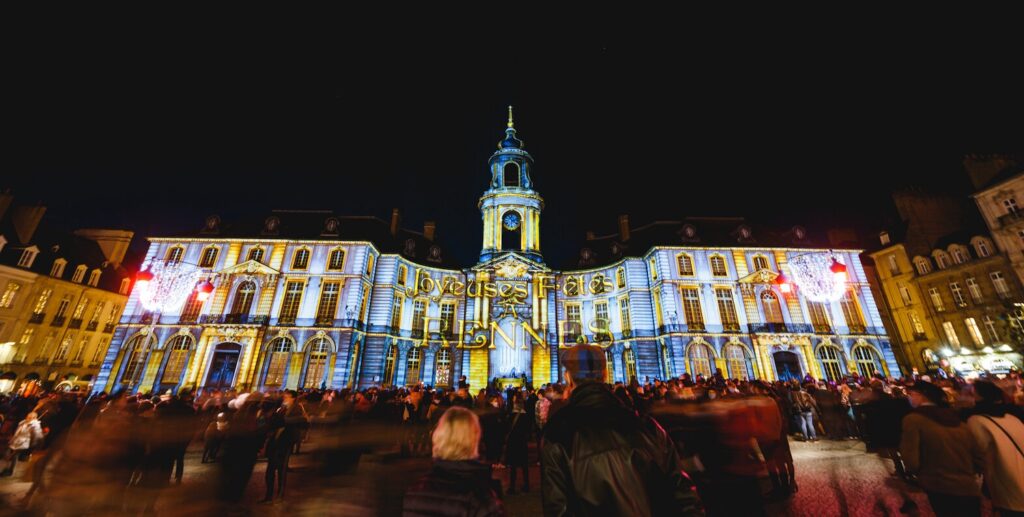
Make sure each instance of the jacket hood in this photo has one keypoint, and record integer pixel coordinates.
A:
(941, 415)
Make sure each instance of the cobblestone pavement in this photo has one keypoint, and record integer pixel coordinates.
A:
(836, 478)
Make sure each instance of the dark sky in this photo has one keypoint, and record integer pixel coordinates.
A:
(152, 129)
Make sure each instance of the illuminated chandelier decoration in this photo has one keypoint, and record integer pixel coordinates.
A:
(820, 276)
(165, 286)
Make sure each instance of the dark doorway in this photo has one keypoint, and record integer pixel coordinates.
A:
(787, 364)
(510, 240)
(222, 368)
(511, 174)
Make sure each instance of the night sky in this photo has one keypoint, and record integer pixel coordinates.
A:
(152, 130)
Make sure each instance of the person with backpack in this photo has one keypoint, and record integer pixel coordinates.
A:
(805, 406)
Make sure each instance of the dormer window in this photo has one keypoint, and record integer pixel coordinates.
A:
(884, 238)
(958, 255)
(94, 277)
(57, 271)
(125, 283)
(28, 256)
(982, 246)
(942, 259)
(79, 274)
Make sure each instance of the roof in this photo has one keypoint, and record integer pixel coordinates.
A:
(76, 251)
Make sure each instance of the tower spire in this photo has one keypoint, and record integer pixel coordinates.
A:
(510, 124)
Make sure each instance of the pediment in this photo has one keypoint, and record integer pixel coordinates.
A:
(761, 276)
(249, 267)
(511, 265)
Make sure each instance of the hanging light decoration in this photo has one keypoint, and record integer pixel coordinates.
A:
(203, 290)
(820, 277)
(165, 285)
(783, 282)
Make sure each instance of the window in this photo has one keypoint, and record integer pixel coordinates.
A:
(396, 312)
(852, 313)
(1002, 289)
(691, 308)
(884, 238)
(27, 257)
(654, 268)
(983, 248)
(1010, 204)
(65, 345)
(933, 293)
(819, 317)
(974, 331)
(328, 303)
(365, 302)
(57, 270)
(727, 309)
(115, 311)
(316, 365)
(81, 350)
(62, 307)
(44, 296)
(80, 309)
(601, 320)
(135, 359)
(974, 289)
(209, 257)
(443, 368)
(243, 298)
(94, 320)
(277, 361)
(419, 311)
(190, 312)
(685, 263)
(990, 327)
(620, 278)
(300, 260)
(10, 293)
(760, 262)
(958, 255)
(101, 348)
(905, 294)
(829, 357)
(624, 314)
(26, 337)
(79, 274)
(894, 267)
(737, 362)
(867, 360)
(94, 277)
(336, 260)
(389, 366)
(700, 360)
(609, 366)
(951, 334)
(369, 264)
(448, 319)
(290, 304)
(915, 322)
(174, 255)
(772, 309)
(412, 366)
(923, 267)
(718, 267)
(629, 357)
(256, 254)
(575, 323)
(942, 259)
(402, 273)
(177, 349)
(125, 284)
(958, 294)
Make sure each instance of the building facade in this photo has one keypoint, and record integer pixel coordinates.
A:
(998, 204)
(330, 308)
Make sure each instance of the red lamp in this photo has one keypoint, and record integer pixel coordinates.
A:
(203, 290)
(142, 279)
(838, 270)
(783, 282)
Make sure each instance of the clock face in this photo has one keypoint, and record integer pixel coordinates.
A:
(510, 221)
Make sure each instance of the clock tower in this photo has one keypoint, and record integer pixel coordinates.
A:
(510, 207)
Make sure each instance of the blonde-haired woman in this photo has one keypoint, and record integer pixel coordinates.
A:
(458, 484)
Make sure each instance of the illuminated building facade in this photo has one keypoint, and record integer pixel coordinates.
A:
(355, 302)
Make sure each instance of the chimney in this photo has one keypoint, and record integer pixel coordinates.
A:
(428, 229)
(113, 243)
(26, 220)
(624, 227)
(5, 202)
(396, 219)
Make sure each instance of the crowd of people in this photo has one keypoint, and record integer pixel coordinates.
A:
(689, 445)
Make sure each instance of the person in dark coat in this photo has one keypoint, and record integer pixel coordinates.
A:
(516, 444)
(458, 485)
(246, 433)
(284, 429)
(492, 419)
(601, 458)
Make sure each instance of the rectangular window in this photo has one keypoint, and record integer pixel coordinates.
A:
(972, 328)
(26, 338)
(915, 322)
(290, 304)
(402, 272)
(396, 312)
(958, 294)
(974, 289)
(727, 309)
(41, 302)
(1002, 289)
(905, 295)
(101, 348)
(601, 314)
(691, 308)
(80, 309)
(448, 319)
(62, 351)
(419, 311)
(819, 317)
(894, 268)
(328, 303)
(685, 263)
(7, 300)
(990, 327)
(951, 333)
(936, 299)
(718, 267)
(852, 313)
(81, 350)
(624, 314)
(62, 308)
(575, 323)
(209, 257)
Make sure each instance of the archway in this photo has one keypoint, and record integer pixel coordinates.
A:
(223, 366)
(787, 366)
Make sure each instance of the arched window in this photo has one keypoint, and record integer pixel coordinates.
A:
(685, 263)
(256, 254)
(511, 174)
(79, 274)
(177, 350)
(402, 273)
(279, 351)
(316, 362)
(868, 362)
(982, 246)
(760, 262)
(829, 356)
(174, 254)
(94, 277)
(300, 260)
(629, 359)
(923, 266)
(442, 374)
(57, 271)
(620, 278)
(718, 267)
(412, 366)
(772, 309)
(336, 261)
(738, 362)
(209, 257)
(959, 254)
(135, 359)
(700, 359)
(389, 366)
(243, 298)
(942, 259)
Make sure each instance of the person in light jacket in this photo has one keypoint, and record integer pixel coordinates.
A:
(1000, 435)
(28, 434)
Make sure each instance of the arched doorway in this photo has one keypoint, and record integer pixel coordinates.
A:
(787, 366)
(223, 365)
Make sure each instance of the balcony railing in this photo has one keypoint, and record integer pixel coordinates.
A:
(822, 328)
(58, 321)
(769, 327)
(920, 336)
(1010, 218)
(730, 327)
(37, 317)
(109, 327)
(75, 324)
(857, 329)
(92, 325)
